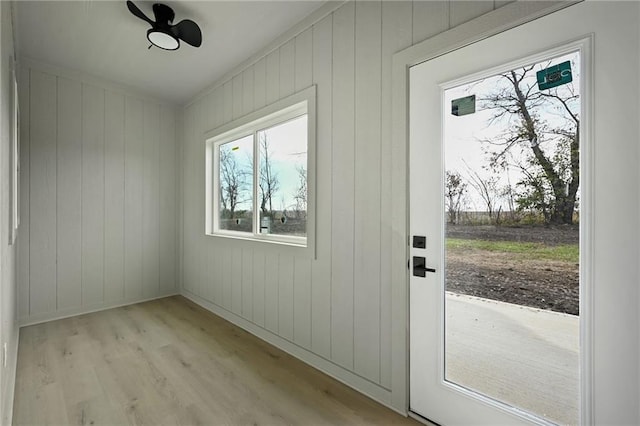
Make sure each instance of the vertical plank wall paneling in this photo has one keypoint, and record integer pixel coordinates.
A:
(335, 308)
(227, 103)
(199, 169)
(114, 184)
(188, 198)
(429, 18)
(247, 284)
(236, 93)
(396, 35)
(247, 93)
(43, 191)
(272, 77)
(465, 10)
(226, 282)
(285, 297)
(217, 254)
(199, 200)
(302, 302)
(168, 201)
(259, 85)
(98, 211)
(92, 195)
(342, 185)
(9, 327)
(24, 236)
(303, 77)
(236, 280)
(368, 45)
(322, 74)
(69, 184)
(151, 200)
(287, 69)
(258, 297)
(271, 297)
(133, 177)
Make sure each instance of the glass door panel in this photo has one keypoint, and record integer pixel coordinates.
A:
(512, 211)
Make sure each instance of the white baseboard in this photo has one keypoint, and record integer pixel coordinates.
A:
(67, 313)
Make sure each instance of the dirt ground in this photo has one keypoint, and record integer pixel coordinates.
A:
(552, 285)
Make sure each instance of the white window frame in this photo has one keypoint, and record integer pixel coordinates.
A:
(291, 107)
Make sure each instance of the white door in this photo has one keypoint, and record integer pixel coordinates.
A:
(486, 351)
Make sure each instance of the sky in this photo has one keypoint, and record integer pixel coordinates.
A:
(287, 151)
(463, 135)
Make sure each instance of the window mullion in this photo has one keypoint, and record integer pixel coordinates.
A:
(256, 180)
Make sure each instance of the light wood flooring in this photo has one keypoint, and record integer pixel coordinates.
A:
(171, 362)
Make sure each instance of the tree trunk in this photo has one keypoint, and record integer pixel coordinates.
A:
(563, 206)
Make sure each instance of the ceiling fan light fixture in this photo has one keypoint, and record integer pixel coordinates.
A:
(162, 39)
(163, 33)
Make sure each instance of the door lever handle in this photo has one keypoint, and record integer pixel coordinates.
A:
(419, 267)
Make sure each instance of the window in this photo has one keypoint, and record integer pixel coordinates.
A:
(260, 173)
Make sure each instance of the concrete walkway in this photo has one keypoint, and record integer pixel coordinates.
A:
(523, 356)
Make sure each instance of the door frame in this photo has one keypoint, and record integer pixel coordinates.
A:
(492, 23)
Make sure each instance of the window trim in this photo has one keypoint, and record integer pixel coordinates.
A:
(300, 103)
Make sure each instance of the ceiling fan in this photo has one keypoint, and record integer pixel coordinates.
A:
(162, 33)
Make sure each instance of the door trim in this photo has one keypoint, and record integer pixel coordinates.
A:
(500, 20)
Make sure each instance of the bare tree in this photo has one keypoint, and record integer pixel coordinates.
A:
(269, 182)
(486, 187)
(455, 189)
(552, 179)
(508, 193)
(301, 192)
(233, 182)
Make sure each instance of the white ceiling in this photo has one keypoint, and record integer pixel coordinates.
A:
(102, 38)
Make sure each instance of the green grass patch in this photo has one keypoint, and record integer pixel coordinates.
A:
(526, 250)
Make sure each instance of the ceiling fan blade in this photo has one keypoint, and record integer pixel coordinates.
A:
(188, 31)
(137, 12)
(163, 13)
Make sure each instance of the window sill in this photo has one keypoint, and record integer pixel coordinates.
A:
(269, 244)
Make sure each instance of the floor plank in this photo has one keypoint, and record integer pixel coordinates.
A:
(171, 362)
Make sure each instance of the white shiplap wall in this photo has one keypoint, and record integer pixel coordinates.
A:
(8, 251)
(333, 311)
(98, 195)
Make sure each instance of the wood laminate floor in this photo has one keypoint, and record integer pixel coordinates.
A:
(171, 362)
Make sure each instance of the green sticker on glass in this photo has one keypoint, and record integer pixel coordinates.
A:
(463, 106)
(554, 76)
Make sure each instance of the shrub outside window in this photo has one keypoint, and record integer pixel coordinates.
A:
(258, 174)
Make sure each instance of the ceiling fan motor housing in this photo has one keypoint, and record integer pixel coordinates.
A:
(164, 14)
